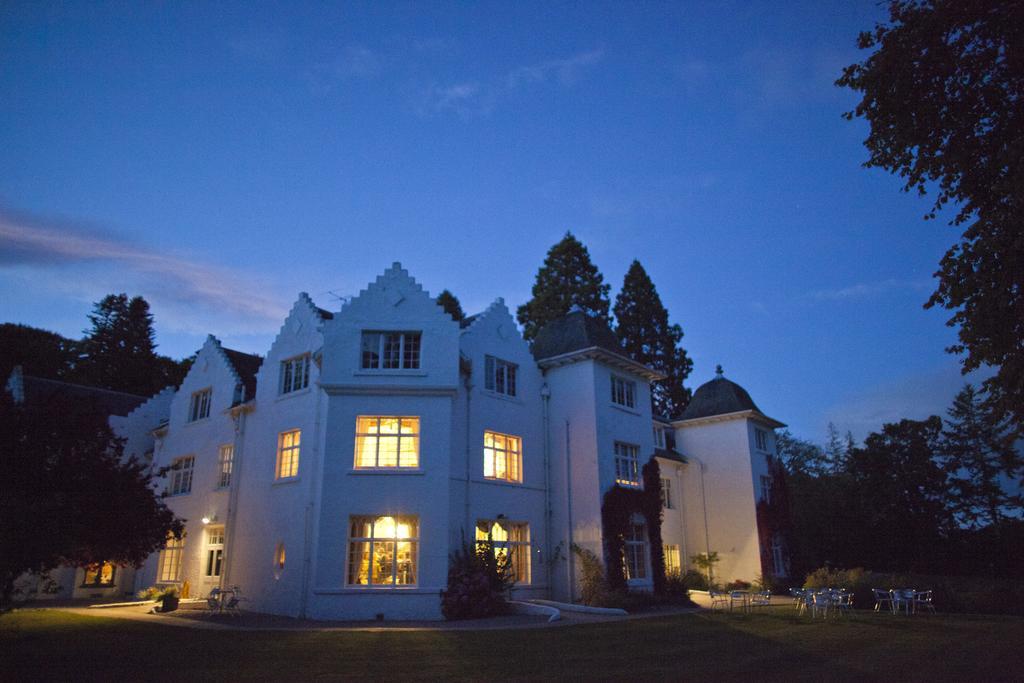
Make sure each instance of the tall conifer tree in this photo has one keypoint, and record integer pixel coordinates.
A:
(119, 351)
(567, 278)
(450, 303)
(645, 333)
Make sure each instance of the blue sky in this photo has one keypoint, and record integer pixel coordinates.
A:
(219, 158)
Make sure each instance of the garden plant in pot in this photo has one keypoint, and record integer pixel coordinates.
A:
(167, 596)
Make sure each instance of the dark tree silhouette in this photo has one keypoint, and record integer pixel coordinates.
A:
(450, 303)
(67, 496)
(943, 92)
(40, 353)
(643, 328)
(567, 278)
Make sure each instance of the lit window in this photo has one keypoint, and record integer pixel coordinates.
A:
(214, 551)
(200, 406)
(391, 350)
(279, 559)
(510, 540)
(659, 437)
(295, 373)
(225, 462)
(500, 376)
(666, 493)
(761, 439)
(181, 475)
(382, 551)
(766, 488)
(627, 464)
(169, 569)
(502, 457)
(623, 392)
(101, 574)
(636, 551)
(387, 441)
(672, 565)
(288, 454)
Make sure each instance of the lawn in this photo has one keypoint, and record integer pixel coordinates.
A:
(49, 645)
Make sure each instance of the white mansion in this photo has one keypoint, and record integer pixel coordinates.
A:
(333, 478)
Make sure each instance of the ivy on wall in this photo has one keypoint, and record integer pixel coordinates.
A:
(617, 510)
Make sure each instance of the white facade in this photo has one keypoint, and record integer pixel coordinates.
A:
(381, 437)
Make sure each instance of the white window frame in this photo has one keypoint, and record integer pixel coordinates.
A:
(766, 488)
(500, 376)
(627, 464)
(372, 544)
(378, 437)
(409, 342)
(225, 464)
(294, 374)
(180, 476)
(778, 558)
(213, 567)
(761, 439)
(288, 451)
(508, 538)
(623, 392)
(634, 551)
(169, 565)
(96, 570)
(659, 437)
(504, 454)
(199, 406)
(666, 493)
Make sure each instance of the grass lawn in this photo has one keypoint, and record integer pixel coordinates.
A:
(47, 645)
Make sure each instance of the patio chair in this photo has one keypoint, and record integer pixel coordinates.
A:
(233, 599)
(883, 598)
(903, 598)
(741, 598)
(719, 600)
(923, 600)
(798, 599)
(842, 602)
(213, 603)
(760, 599)
(821, 602)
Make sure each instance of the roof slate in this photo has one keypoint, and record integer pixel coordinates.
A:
(246, 365)
(574, 332)
(718, 397)
(39, 391)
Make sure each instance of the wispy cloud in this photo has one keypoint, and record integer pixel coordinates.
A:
(474, 98)
(353, 62)
(864, 290)
(176, 280)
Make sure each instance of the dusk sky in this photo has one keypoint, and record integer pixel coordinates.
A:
(219, 158)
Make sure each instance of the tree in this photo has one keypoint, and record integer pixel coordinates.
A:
(68, 498)
(119, 351)
(451, 305)
(800, 456)
(977, 450)
(644, 331)
(567, 278)
(41, 353)
(943, 92)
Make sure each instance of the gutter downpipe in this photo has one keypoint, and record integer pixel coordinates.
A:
(545, 397)
(307, 550)
(233, 493)
(465, 523)
(568, 495)
(704, 504)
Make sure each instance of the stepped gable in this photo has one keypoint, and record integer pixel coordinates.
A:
(718, 397)
(574, 331)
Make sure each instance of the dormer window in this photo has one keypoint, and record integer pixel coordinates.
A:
(391, 350)
(623, 392)
(295, 374)
(500, 376)
(200, 406)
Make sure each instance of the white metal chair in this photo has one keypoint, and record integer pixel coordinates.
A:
(719, 600)
(821, 602)
(842, 602)
(903, 598)
(883, 598)
(923, 600)
(760, 599)
(213, 602)
(798, 599)
(231, 602)
(741, 598)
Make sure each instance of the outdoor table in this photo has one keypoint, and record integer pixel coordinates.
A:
(741, 596)
(902, 597)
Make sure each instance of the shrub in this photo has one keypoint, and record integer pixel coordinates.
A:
(694, 580)
(677, 589)
(738, 585)
(594, 589)
(478, 581)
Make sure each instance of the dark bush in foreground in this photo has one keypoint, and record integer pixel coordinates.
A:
(478, 581)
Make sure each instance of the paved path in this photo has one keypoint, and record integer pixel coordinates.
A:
(263, 622)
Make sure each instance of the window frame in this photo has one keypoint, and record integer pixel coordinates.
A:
(761, 439)
(407, 359)
(673, 559)
(199, 405)
(378, 436)
(500, 376)
(225, 465)
(634, 551)
(180, 476)
(519, 549)
(666, 493)
(213, 567)
(627, 457)
(292, 451)
(371, 541)
(97, 583)
(623, 392)
(513, 457)
(170, 558)
(766, 488)
(659, 438)
(294, 374)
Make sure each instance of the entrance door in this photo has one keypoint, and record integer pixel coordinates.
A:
(213, 560)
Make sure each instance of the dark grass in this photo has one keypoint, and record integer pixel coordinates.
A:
(48, 645)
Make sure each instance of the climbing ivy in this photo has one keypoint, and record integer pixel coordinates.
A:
(617, 510)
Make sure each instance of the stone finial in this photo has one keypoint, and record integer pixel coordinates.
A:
(719, 374)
